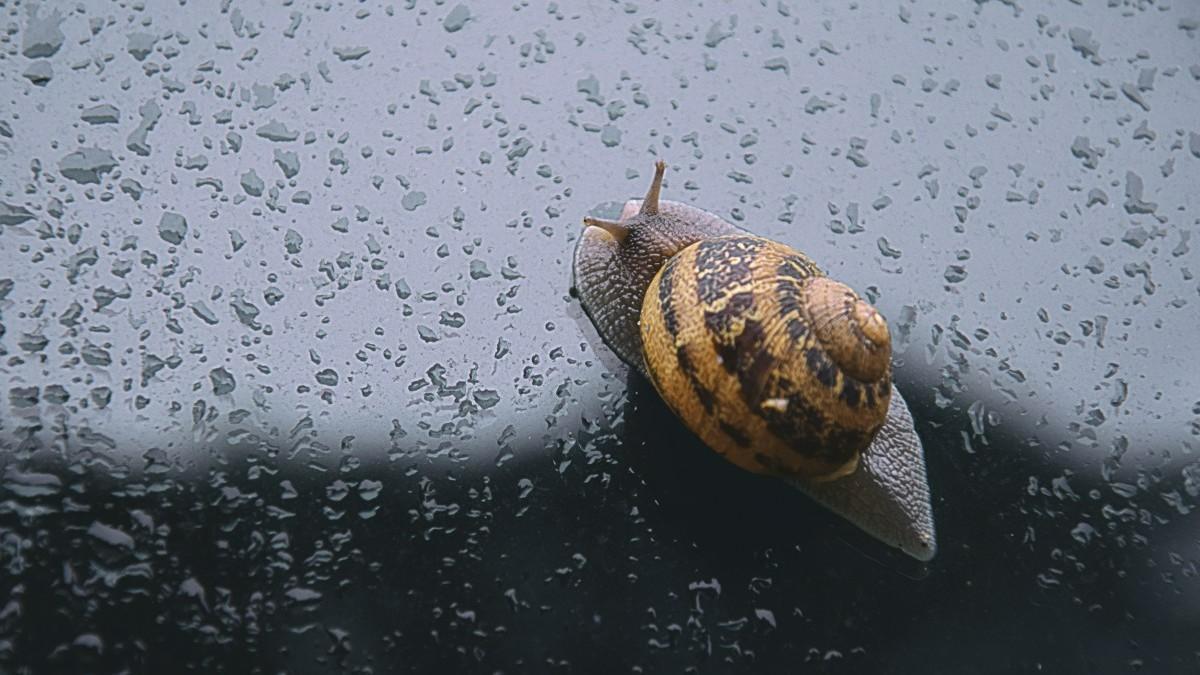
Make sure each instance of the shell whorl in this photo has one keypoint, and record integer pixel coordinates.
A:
(853, 332)
(772, 364)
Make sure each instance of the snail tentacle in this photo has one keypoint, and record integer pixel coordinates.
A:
(617, 230)
(650, 203)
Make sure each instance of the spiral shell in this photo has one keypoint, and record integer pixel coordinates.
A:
(771, 363)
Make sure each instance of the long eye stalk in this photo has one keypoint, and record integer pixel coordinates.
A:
(650, 203)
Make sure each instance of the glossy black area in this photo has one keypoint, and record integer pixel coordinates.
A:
(293, 381)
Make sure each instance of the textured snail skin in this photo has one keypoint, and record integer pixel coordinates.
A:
(729, 360)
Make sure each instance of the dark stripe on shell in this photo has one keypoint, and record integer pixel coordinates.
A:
(842, 444)
(797, 268)
(738, 435)
(789, 294)
(728, 355)
(851, 392)
(720, 325)
(666, 286)
(882, 389)
(767, 461)
(797, 330)
(821, 366)
(755, 362)
(722, 264)
(706, 397)
(666, 300)
(806, 430)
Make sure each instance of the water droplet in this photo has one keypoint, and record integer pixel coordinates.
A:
(172, 228)
(87, 165)
(456, 19)
(223, 381)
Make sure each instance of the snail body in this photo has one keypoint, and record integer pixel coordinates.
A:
(772, 364)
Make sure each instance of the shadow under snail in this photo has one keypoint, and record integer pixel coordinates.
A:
(771, 363)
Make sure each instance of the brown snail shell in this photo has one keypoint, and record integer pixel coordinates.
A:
(772, 364)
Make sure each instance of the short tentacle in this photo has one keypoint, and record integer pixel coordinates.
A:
(618, 230)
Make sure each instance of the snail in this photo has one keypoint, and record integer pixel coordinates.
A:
(772, 364)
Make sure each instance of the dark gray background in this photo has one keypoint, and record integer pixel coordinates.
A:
(293, 381)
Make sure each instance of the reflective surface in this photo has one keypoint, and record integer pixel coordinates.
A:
(293, 381)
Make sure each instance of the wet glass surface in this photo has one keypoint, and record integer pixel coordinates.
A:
(293, 380)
